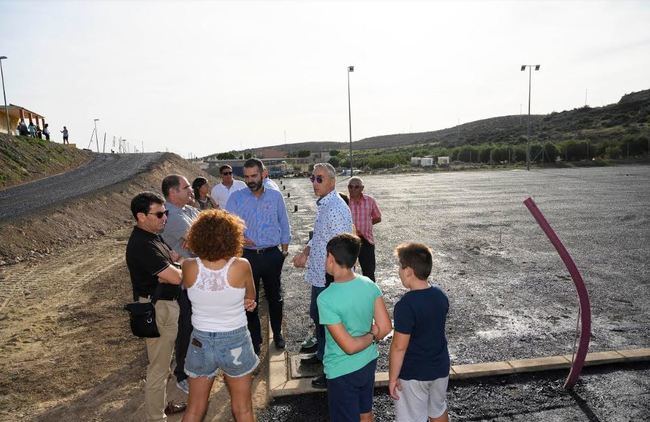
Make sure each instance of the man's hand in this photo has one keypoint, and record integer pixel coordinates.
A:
(393, 387)
(248, 242)
(300, 260)
(249, 305)
(175, 256)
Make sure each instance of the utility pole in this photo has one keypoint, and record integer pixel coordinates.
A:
(4, 93)
(530, 71)
(350, 69)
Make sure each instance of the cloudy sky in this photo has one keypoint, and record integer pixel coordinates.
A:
(204, 77)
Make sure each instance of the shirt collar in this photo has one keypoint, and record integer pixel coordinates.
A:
(327, 198)
(144, 232)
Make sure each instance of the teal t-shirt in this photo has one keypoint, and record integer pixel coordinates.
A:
(351, 303)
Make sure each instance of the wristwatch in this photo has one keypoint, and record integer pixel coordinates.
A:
(285, 253)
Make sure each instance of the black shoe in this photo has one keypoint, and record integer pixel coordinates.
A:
(310, 345)
(311, 360)
(319, 382)
(279, 341)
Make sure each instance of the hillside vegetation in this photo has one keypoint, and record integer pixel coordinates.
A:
(23, 159)
(615, 131)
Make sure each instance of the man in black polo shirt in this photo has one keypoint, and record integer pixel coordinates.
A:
(155, 277)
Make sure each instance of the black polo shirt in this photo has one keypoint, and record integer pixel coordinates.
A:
(147, 255)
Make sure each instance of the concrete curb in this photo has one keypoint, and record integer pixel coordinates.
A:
(281, 385)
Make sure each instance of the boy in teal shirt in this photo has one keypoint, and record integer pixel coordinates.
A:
(347, 308)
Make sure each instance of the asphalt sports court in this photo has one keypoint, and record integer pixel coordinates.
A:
(510, 295)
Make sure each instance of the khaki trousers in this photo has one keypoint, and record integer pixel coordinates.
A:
(159, 353)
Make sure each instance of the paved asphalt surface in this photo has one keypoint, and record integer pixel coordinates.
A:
(102, 171)
(511, 296)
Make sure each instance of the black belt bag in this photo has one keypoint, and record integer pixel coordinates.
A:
(143, 319)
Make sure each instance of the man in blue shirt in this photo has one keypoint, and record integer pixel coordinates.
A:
(267, 226)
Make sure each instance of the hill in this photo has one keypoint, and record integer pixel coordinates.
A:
(630, 116)
(23, 159)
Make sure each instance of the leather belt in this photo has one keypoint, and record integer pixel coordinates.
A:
(262, 250)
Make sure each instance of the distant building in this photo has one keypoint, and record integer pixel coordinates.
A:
(415, 161)
(426, 162)
(15, 114)
(443, 161)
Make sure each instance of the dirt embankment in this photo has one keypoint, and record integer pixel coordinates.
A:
(65, 348)
(23, 159)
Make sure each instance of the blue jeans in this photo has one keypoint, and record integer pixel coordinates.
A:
(313, 313)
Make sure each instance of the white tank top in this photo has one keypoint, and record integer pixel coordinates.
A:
(216, 305)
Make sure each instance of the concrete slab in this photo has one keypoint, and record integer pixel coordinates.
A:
(540, 364)
(299, 370)
(482, 369)
(600, 358)
(635, 355)
(283, 383)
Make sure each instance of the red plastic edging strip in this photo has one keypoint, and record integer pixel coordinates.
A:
(583, 295)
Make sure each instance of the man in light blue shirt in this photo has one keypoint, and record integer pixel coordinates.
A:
(333, 217)
(267, 226)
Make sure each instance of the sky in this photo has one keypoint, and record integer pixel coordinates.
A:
(201, 77)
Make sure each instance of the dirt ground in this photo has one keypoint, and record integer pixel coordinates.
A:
(66, 352)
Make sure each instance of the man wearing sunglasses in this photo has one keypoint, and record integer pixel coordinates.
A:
(332, 218)
(267, 228)
(228, 185)
(155, 277)
(365, 214)
(178, 195)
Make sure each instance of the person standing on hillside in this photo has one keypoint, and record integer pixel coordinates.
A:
(65, 135)
(267, 227)
(332, 218)
(32, 129)
(178, 195)
(155, 276)
(228, 185)
(365, 214)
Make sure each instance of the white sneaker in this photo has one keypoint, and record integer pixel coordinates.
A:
(183, 386)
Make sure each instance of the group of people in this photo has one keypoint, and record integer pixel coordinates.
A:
(34, 131)
(200, 255)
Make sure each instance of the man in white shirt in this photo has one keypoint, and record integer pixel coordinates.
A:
(228, 185)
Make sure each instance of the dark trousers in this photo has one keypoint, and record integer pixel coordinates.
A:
(267, 267)
(184, 334)
(367, 259)
(313, 313)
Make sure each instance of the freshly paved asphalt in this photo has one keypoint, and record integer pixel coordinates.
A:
(102, 171)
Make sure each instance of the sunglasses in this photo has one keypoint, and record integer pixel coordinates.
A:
(227, 173)
(354, 186)
(159, 214)
(318, 179)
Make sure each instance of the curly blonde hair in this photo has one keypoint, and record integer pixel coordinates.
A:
(216, 234)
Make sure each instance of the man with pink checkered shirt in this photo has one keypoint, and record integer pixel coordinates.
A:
(365, 214)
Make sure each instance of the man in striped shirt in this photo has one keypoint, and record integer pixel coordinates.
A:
(365, 214)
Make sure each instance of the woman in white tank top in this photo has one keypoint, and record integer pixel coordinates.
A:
(220, 286)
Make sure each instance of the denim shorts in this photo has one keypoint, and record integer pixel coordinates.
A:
(230, 351)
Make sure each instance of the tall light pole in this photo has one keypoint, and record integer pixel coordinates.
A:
(4, 94)
(350, 69)
(96, 139)
(530, 72)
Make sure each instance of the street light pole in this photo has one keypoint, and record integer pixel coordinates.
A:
(96, 139)
(4, 94)
(530, 71)
(350, 69)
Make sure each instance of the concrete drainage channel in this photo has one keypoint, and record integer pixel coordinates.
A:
(293, 397)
